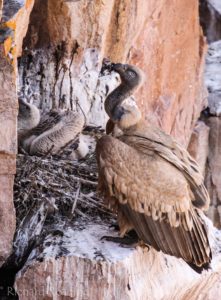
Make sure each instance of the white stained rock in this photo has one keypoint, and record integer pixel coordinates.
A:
(216, 4)
(90, 90)
(88, 87)
(79, 265)
(213, 77)
(213, 178)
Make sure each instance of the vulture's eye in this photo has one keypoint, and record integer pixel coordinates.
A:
(132, 74)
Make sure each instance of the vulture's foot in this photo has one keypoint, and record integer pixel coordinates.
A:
(130, 239)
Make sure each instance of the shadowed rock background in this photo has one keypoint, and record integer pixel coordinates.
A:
(51, 53)
(211, 22)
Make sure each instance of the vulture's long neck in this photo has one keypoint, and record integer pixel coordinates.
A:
(116, 97)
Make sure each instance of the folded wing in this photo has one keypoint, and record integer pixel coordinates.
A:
(154, 196)
(166, 147)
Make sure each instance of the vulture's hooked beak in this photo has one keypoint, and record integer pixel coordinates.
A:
(107, 65)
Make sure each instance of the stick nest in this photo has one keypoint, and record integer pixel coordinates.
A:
(67, 187)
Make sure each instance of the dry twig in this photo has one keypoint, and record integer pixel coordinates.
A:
(65, 185)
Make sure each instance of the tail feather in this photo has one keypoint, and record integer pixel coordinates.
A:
(192, 246)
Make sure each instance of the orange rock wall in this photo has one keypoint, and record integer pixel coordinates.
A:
(8, 113)
(170, 49)
(8, 131)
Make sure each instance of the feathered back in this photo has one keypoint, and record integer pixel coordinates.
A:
(55, 131)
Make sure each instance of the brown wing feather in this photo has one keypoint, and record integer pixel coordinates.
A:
(55, 130)
(192, 246)
(153, 195)
(48, 121)
(152, 139)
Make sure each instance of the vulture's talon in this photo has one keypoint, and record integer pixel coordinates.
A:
(127, 240)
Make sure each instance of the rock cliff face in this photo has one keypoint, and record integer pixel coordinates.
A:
(56, 64)
(213, 170)
(210, 17)
(109, 271)
(8, 111)
(12, 32)
(59, 63)
(213, 120)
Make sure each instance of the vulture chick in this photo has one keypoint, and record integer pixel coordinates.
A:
(50, 134)
(152, 182)
(28, 117)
